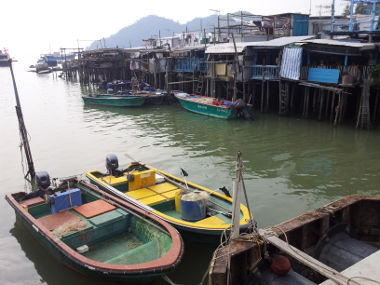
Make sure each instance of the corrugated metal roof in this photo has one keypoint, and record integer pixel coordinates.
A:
(291, 63)
(188, 48)
(280, 42)
(227, 48)
(363, 46)
(240, 46)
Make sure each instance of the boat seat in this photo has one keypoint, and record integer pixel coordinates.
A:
(112, 180)
(53, 221)
(368, 267)
(94, 208)
(32, 202)
(140, 193)
(146, 196)
(170, 194)
(163, 187)
(106, 218)
(153, 200)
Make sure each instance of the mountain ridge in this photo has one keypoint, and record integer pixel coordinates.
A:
(153, 26)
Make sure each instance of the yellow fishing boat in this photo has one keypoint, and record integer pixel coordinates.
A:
(201, 215)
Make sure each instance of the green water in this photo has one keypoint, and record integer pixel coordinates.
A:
(291, 165)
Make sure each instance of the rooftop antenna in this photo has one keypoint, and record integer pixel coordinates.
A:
(310, 8)
(324, 7)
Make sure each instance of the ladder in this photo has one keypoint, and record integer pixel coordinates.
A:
(134, 84)
(201, 80)
(284, 98)
(363, 119)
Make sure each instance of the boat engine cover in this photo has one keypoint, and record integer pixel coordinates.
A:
(112, 162)
(42, 179)
(241, 107)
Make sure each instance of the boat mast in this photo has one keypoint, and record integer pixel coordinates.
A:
(236, 197)
(24, 133)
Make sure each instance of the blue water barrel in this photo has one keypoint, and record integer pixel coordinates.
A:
(192, 210)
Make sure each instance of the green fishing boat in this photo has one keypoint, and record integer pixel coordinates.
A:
(112, 100)
(97, 234)
(212, 107)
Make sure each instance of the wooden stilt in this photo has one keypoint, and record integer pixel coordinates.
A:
(292, 99)
(267, 98)
(262, 95)
(321, 102)
(327, 103)
(376, 105)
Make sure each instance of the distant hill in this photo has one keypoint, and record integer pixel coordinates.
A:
(153, 27)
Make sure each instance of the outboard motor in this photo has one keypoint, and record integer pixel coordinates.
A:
(42, 179)
(109, 91)
(241, 108)
(112, 163)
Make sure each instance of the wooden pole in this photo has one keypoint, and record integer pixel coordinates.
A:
(24, 133)
(234, 98)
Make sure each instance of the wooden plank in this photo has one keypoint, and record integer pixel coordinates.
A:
(307, 259)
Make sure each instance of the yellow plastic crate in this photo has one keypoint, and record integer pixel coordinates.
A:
(162, 187)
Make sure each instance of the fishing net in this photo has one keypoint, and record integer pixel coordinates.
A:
(70, 226)
(195, 196)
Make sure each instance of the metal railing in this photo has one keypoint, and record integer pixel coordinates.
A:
(190, 65)
(264, 71)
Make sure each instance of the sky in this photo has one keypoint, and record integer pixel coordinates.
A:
(43, 26)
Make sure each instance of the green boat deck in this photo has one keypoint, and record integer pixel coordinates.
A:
(115, 237)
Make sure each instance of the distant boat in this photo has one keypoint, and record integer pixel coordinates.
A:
(97, 234)
(42, 66)
(49, 59)
(52, 59)
(61, 56)
(116, 85)
(4, 58)
(209, 106)
(110, 100)
(151, 97)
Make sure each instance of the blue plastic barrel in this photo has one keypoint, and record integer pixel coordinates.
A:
(193, 211)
